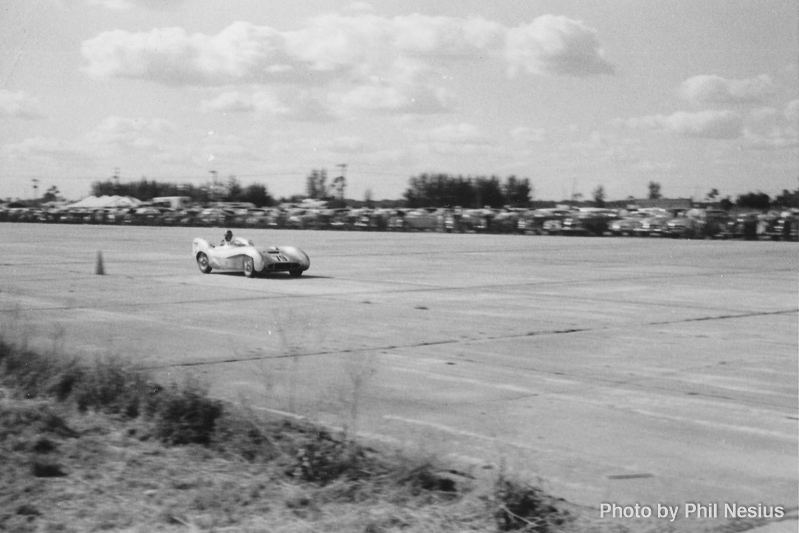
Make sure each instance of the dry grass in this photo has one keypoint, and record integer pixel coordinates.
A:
(72, 471)
(101, 447)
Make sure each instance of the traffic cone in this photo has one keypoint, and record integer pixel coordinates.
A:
(99, 269)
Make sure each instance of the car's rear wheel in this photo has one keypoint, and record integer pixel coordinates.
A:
(295, 273)
(249, 267)
(202, 263)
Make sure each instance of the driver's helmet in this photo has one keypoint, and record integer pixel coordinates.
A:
(228, 234)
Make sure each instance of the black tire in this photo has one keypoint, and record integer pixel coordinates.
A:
(202, 263)
(249, 267)
(295, 273)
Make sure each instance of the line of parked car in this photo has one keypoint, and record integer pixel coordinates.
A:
(648, 222)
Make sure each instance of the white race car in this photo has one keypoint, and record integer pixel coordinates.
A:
(241, 254)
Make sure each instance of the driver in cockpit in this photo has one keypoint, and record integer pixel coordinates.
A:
(228, 238)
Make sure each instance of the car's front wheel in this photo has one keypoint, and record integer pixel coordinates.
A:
(249, 267)
(295, 273)
(202, 263)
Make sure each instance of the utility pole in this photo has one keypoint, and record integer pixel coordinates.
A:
(35, 187)
(574, 194)
(341, 181)
(212, 191)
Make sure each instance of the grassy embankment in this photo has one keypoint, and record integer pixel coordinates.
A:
(98, 446)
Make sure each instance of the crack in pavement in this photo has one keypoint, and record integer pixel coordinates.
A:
(459, 341)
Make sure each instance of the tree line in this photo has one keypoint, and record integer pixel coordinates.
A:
(444, 190)
(423, 190)
(229, 190)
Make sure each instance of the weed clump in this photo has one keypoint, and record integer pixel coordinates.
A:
(31, 374)
(321, 458)
(520, 507)
(425, 478)
(239, 436)
(182, 414)
(47, 469)
(107, 386)
(40, 419)
(187, 415)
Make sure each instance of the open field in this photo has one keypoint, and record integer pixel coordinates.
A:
(610, 370)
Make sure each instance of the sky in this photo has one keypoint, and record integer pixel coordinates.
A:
(573, 95)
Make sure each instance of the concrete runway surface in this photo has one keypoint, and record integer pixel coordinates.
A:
(616, 370)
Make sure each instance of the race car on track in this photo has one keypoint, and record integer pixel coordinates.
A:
(242, 255)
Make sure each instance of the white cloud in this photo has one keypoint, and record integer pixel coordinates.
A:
(345, 102)
(711, 89)
(337, 66)
(775, 139)
(111, 4)
(445, 37)
(769, 128)
(370, 44)
(36, 148)
(114, 135)
(330, 48)
(141, 142)
(221, 151)
(225, 146)
(374, 97)
(356, 44)
(526, 135)
(307, 107)
(361, 7)
(387, 98)
(792, 112)
(605, 147)
(659, 167)
(241, 52)
(454, 139)
(463, 133)
(556, 45)
(19, 105)
(761, 128)
(300, 105)
(764, 115)
(347, 144)
(129, 4)
(126, 125)
(230, 102)
(128, 132)
(242, 102)
(711, 124)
